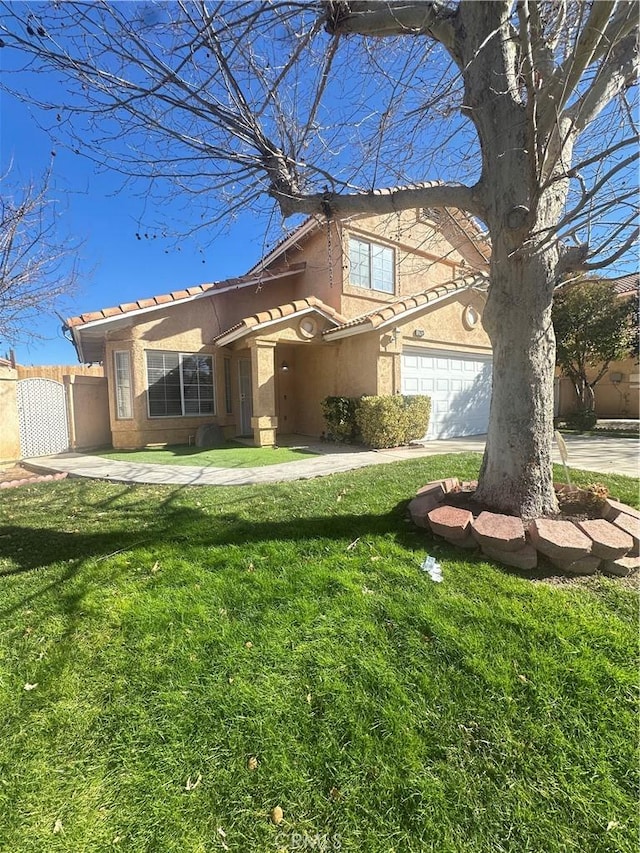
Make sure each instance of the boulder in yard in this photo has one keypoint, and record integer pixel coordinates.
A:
(209, 435)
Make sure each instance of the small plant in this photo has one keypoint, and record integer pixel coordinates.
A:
(596, 494)
(589, 499)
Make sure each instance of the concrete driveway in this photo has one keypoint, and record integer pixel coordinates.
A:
(605, 454)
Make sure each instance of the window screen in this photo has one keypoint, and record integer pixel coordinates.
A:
(179, 384)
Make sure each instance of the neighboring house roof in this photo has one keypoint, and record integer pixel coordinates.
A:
(259, 321)
(402, 309)
(456, 225)
(626, 284)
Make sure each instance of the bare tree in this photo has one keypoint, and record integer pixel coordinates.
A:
(37, 267)
(522, 112)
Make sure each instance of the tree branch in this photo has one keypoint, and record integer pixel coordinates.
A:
(397, 17)
(380, 201)
(620, 69)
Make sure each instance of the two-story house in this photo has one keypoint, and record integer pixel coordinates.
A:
(373, 305)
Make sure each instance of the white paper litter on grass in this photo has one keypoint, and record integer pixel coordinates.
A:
(433, 568)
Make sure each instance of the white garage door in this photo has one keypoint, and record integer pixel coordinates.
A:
(459, 386)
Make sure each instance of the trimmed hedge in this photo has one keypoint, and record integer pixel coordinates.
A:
(385, 421)
(382, 421)
(417, 411)
(340, 415)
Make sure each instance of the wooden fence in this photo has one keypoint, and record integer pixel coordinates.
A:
(57, 371)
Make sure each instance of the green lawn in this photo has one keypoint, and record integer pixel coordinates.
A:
(233, 455)
(154, 639)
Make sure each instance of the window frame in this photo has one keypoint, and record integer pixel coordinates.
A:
(118, 387)
(181, 356)
(371, 247)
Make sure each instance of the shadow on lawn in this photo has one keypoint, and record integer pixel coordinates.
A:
(32, 548)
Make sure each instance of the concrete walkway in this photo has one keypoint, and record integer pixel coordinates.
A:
(608, 455)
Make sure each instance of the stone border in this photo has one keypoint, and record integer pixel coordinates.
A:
(25, 481)
(609, 544)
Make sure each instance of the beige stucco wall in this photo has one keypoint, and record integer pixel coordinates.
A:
(9, 432)
(444, 328)
(423, 258)
(88, 410)
(322, 276)
(612, 399)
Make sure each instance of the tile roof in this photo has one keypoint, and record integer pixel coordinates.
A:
(281, 312)
(626, 283)
(180, 295)
(381, 315)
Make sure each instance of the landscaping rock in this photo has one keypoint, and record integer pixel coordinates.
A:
(467, 542)
(36, 478)
(434, 489)
(614, 508)
(451, 484)
(559, 540)
(584, 566)
(420, 506)
(622, 567)
(608, 541)
(450, 522)
(524, 558)
(468, 486)
(501, 532)
(209, 435)
(631, 525)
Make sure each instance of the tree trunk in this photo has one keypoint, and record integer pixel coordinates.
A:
(516, 474)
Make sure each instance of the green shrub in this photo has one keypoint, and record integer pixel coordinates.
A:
(417, 411)
(382, 421)
(340, 415)
(583, 419)
(391, 421)
(385, 421)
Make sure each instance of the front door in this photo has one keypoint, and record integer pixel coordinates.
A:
(246, 399)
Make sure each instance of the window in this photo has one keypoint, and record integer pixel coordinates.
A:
(122, 369)
(371, 265)
(228, 401)
(179, 384)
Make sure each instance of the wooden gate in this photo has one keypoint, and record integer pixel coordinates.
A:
(42, 417)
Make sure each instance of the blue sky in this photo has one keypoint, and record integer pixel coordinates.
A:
(115, 266)
(96, 210)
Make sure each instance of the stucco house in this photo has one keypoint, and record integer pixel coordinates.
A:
(370, 305)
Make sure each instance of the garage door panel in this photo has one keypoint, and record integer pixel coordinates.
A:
(459, 387)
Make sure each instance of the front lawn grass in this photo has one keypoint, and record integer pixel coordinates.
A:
(154, 639)
(232, 455)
